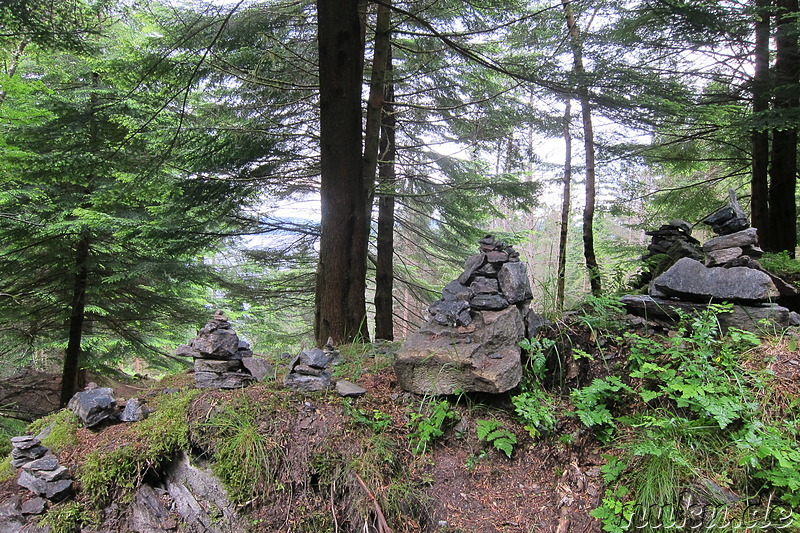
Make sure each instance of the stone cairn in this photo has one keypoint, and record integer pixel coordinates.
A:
(670, 242)
(310, 370)
(730, 273)
(41, 472)
(470, 341)
(492, 280)
(218, 356)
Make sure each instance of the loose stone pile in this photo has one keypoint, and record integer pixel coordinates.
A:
(470, 342)
(41, 473)
(730, 273)
(218, 356)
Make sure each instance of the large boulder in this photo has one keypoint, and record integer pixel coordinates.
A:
(690, 280)
(481, 357)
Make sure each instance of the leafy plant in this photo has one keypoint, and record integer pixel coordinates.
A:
(492, 432)
(377, 420)
(66, 517)
(536, 410)
(427, 427)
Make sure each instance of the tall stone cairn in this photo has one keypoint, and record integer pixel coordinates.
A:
(218, 355)
(470, 342)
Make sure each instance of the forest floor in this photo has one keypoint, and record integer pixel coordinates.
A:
(415, 463)
(459, 483)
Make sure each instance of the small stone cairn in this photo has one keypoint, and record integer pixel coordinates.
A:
(41, 472)
(470, 341)
(310, 370)
(729, 273)
(218, 356)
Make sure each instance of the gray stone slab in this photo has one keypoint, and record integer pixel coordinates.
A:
(691, 280)
(739, 239)
(347, 389)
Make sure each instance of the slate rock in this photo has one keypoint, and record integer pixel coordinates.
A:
(217, 344)
(54, 491)
(226, 380)
(534, 323)
(134, 411)
(484, 285)
(739, 239)
(94, 406)
(496, 257)
(691, 280)
(473, 263)
(258, 367)
(184, 350)
(34, 506)
(484, 357)
(303, 383)
(455, 290)
(315, 358)
(682, 225)
(748, 318)
(514, 283)
(48, 462)
(491, 302)
(218, 365)
(346, 389)
(451, 313)
(722, 256)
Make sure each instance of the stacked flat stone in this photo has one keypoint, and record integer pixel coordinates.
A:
(41, 472)
(471, 341)
(670, 242)
(310, 370)
(736, 243)
(218, 353)
(730, 273)
(492, 280)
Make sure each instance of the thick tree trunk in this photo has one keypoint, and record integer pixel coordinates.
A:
(340, 308)
(759, 183)
(72, 356)
(384, 275)
(588, 142)
(565, 203)
(783, 172)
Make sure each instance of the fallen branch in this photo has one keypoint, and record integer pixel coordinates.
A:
(383, 527)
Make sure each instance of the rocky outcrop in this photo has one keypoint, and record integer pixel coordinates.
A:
(471, 341)
(218, 353)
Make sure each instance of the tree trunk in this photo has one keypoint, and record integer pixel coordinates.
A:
(377, 87)
(340, 307)
(384, 275)
(588, 141)
(72, 356)
(783, 173)
(565, 202)
(760, 137)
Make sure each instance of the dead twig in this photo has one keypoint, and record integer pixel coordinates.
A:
(383, 527)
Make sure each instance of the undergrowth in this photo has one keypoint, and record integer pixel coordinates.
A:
(691, 432)
(118, 472)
